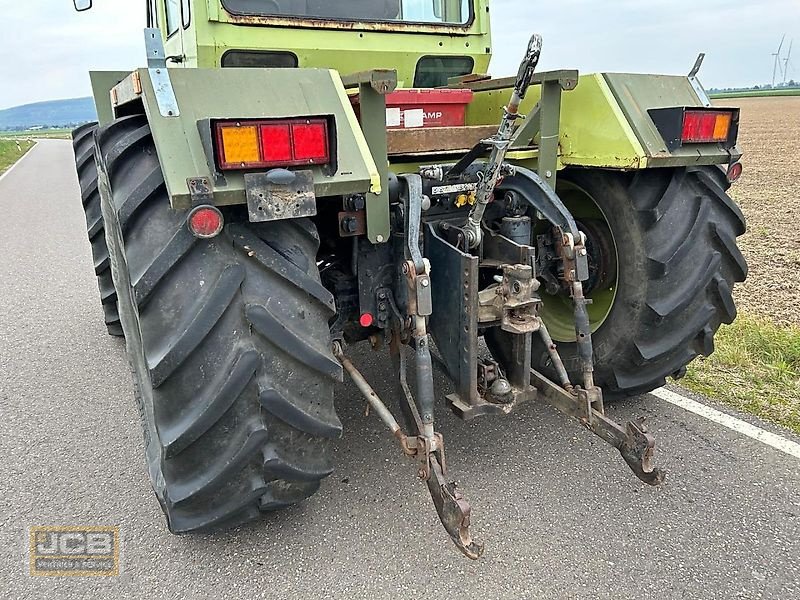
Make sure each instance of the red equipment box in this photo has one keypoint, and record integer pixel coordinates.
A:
(406, 109)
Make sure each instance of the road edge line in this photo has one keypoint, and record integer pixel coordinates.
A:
(21, 158)
(765, 437)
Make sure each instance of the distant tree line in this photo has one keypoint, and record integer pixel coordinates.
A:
(791, 84)
(45, 126)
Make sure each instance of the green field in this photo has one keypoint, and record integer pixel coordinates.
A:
(756, 368)
(11, 151)
(61, 134)
(756, 93)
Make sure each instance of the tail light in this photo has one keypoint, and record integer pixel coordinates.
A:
(273, 143)
(695, 125)
(706, 126)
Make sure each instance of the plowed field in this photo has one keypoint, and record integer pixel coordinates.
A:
(769, 194)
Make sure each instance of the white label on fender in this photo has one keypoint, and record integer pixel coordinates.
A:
(415, 118)
(393, 117)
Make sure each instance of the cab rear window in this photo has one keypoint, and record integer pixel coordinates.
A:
(259, 58)
(434, 71)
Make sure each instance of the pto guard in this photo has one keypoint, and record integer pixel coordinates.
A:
(184, 141)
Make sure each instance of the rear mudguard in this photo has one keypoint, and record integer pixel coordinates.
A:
(182, 127)
(605, 124)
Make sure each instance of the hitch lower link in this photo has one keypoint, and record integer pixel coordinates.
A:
(585, 403)
(454, 511)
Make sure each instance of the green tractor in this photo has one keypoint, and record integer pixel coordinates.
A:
(288, 178)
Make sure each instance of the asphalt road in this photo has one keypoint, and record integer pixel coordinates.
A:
(560, 514)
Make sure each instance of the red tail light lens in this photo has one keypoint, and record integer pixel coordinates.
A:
(310, 141)
(276, 143)
(706, 126)
(280, 143)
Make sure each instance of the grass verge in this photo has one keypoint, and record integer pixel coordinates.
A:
(756, 368)
(11, 151)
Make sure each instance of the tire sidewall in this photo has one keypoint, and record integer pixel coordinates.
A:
(611, 195)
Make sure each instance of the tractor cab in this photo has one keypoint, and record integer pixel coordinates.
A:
(425, 41)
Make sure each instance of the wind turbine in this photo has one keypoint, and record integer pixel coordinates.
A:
(786, 63)
(777, 56)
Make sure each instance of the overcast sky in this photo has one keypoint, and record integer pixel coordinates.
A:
(50, 48)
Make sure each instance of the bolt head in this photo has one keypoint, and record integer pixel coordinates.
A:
(349, 225)
(425, 283)
(357, 202)
(380, 239)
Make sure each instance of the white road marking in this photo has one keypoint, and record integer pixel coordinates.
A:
(24, 156)
(765, 437)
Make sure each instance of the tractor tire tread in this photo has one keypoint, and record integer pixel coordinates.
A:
(83, 145)
(219, 329)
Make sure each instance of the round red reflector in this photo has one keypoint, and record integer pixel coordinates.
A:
(205, 221)
(735, 171)
(366, 320)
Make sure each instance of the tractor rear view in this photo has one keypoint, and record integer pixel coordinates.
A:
(289, 178)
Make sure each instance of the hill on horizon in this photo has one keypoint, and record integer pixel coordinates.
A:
(52, 113)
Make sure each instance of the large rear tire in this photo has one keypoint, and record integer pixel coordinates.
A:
(229, 343)
(664, 285)
(83, 147)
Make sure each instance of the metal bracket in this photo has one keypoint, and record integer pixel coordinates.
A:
(280, 194)
(696, 85)
(159, 75)
(200, 190)
(567, 79)
(373, 86)
(156, 56)
(207, 140)
(165, 95)
(382, 81)
(697, 64)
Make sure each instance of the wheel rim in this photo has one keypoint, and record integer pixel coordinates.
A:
(557, 310)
